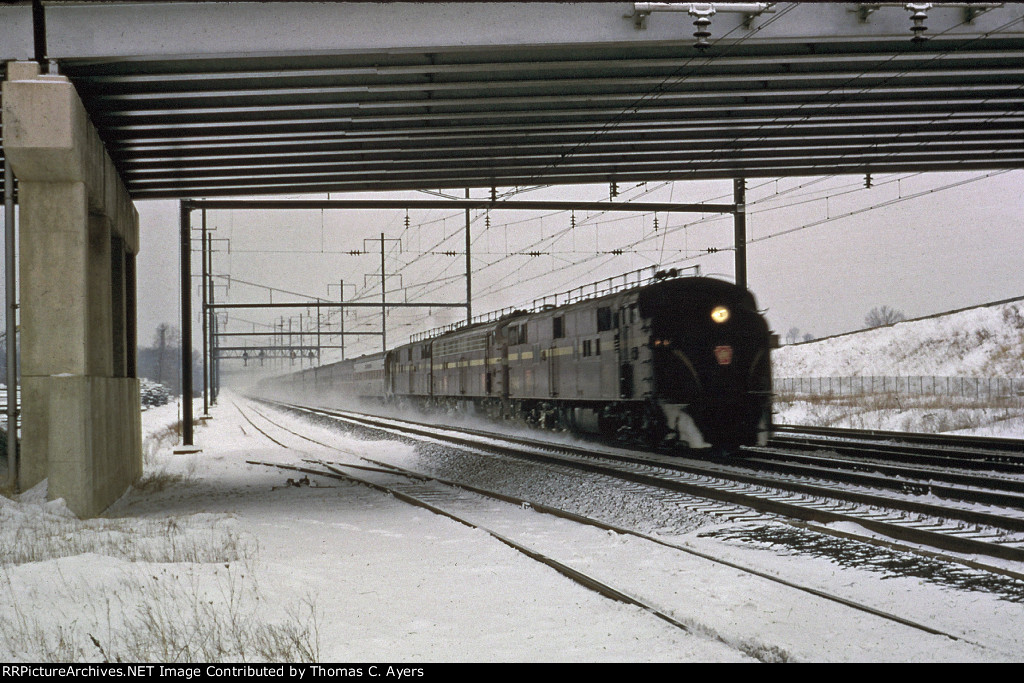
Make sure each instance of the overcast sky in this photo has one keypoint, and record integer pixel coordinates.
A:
(823, 251)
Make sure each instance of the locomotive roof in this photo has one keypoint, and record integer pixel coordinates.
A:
(698, 290)
(660, 284)
(636, 279)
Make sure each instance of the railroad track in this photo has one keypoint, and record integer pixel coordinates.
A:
(458, 501)
(805, 494)
(965, 442)
(962, 452)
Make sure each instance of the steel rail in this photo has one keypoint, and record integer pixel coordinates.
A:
(579, 577)
(1000, 491)
(576, 576)
(766, 502)
(386, 468)
(963, 441)
(920, 455)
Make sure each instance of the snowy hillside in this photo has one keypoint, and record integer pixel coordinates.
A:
(960, 371)
(987, 341)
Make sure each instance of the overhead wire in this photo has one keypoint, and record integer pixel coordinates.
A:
(552, 239)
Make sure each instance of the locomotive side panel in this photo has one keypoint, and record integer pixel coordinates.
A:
(460, 364)
(519, 356)
(683, 359)
(408, 370)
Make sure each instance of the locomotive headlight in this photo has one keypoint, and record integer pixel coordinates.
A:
(720, 314)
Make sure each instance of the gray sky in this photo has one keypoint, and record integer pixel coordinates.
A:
(823, 251)
(921, 243)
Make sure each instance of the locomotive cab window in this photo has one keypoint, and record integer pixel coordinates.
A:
(559, 327)
(604, 319)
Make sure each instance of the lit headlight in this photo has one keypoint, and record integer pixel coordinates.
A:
(720, 314)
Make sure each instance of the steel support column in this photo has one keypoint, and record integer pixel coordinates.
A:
(186, 326)
(12, 329)
(206, 331)
(739, 194)
(469, 271)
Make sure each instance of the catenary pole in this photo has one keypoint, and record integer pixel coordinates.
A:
(186, 326)
(10, 296)
(206, 361)
(739, 193)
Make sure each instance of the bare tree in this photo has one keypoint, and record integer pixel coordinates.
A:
(881, 316)
(167, 342)
(793, 336)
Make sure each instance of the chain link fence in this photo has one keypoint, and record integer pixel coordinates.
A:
(983, 388)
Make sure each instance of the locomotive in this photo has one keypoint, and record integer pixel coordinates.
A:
(681, 361)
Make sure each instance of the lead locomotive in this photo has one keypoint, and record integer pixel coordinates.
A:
(680, 360)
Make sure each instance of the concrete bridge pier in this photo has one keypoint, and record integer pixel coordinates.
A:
(79, 233)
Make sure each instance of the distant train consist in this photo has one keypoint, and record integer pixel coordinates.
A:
(681, 360)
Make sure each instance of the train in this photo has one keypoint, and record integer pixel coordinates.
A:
(676, 361)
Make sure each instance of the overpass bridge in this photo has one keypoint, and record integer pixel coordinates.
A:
(109, 103)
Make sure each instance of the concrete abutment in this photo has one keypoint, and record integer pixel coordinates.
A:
(79, 233)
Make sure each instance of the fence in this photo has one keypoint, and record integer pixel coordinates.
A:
(988, 388)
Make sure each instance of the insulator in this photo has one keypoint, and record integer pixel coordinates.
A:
(702, 33)
(406, 220)
(655, 224)
(572, 221)
(919, 15)
(614, 190)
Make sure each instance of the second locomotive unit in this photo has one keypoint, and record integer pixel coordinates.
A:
(682, 360)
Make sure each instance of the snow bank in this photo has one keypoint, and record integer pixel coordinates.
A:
(985, 341)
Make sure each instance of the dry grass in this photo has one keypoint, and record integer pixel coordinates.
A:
(891, 411)
(177, 589)
(169, 614)
(48, 536)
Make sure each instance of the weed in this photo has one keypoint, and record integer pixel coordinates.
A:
(179, 614)
(890, 411)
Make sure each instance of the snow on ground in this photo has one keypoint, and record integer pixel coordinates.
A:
(210, 558)
(985, 342)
